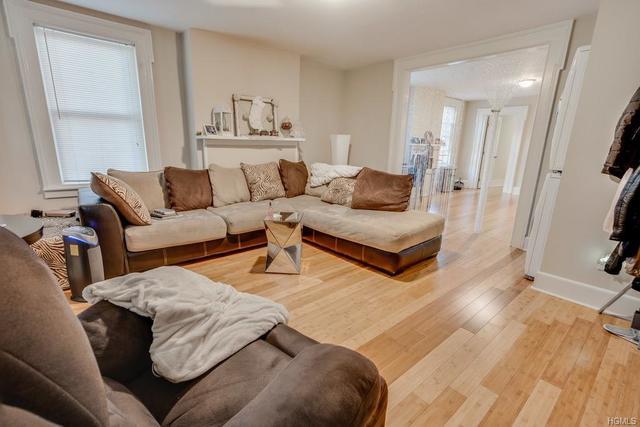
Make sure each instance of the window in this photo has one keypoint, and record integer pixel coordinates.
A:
(89, 90)
(93, 99)
(447, 134)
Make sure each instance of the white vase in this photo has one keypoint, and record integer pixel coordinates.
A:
(340, 149)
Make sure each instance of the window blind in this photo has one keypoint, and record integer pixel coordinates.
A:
(93, 98)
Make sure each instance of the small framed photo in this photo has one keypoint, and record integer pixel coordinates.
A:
(210, 130)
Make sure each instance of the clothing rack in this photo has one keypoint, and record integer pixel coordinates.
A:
(635, 285)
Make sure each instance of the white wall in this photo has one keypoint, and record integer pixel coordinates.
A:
(576, 238)
(425, 111)
(321, 108)
(468, 132)
(20, 185)
(368, 99)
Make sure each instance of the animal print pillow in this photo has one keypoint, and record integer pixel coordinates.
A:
(340, 191)
(264, 181)
(123, 197)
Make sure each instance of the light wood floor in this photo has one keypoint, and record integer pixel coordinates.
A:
(461, 339)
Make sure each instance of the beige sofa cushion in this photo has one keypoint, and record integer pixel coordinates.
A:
(229, 186)
(148, 185)
(189, 227)
(388, 231)
(298, 203)
(263, 181)
(125, 199)
(315, 191)
(340, 191)
(243, 217)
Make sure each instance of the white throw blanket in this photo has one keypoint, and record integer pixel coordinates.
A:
(323, 173)
(197, 323)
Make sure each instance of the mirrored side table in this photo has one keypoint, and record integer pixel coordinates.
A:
(284, 242)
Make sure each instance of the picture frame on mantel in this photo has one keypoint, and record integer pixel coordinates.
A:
(242, 107)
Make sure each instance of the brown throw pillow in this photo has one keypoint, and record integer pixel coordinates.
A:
(294, 177)
(119, 194)
(381, 191)
(263, 181)
(188, 189)
(340, 191)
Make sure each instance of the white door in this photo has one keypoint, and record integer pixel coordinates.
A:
(541, 224)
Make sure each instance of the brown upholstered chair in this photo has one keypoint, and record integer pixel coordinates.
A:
(95, 370)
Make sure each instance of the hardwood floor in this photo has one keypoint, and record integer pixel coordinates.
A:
(461, 339)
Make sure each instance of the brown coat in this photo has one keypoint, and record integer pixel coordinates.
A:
(625, 149)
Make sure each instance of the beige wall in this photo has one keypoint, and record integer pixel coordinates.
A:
(576, 238)
(581, 36)
(425, 111)
(321, 108)
(218, 65)
(368, 99)
(20, 185)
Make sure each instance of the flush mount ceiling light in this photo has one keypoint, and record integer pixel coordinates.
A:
(526, 82)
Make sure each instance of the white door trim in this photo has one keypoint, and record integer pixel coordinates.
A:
(555, 36)
(520, 114)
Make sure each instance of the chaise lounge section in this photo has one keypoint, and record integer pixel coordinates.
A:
(389, 241)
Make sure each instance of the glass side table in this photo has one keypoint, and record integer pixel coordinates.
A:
(284, 247)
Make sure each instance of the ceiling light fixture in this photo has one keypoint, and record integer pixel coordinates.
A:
(526, 82)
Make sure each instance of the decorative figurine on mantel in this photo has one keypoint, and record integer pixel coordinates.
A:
(286, 126)
(255, 115)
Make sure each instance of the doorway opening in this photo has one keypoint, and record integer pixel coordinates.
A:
(555, 38)
(449, 117)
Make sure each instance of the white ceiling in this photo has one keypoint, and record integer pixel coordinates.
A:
(350, 33)
(469, 80)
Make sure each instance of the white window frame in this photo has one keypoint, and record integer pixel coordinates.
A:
(22, 16)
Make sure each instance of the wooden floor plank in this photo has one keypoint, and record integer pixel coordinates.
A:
(539, 405)
(473, 409)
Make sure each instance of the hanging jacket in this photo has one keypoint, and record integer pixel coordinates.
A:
(625, 149)
(626, 220)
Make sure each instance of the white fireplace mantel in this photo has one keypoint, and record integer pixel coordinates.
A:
(229, 150)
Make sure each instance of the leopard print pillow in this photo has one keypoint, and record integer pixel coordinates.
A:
(264, 181)
(340, 191)
(123, 197)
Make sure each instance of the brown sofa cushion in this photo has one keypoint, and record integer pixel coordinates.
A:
(46, 364)
(117, 192)
(263, 180)
(120, 340)
(381, 191)
(188, 189)
(294, 177)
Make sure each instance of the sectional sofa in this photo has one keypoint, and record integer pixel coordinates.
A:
(389, 241)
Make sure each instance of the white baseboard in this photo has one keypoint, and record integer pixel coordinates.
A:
(515, 191)
(585, 294)
(496, 183)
